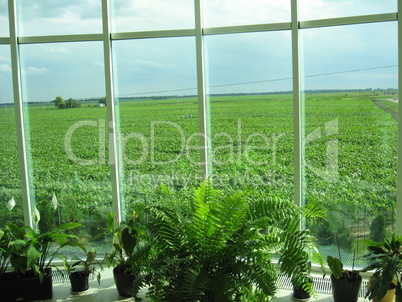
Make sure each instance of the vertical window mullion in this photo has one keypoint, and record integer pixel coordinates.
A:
(19, 115)
(202, 103)
(297, 108)
(111, 114)
(398, 221)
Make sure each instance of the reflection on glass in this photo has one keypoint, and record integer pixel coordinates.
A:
(243, 12)
(156, 90)
(67, 134)
(251, 112)
(4, 28)
(10, 182)
(38, 17)
(145, 15)
(322, 9)
(351, 134)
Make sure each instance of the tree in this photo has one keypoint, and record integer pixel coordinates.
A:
(58, 101)
(71, 103)
(102, 101)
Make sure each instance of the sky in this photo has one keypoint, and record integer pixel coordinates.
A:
(343, 57)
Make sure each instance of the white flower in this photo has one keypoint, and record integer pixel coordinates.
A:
(36, 216)
(11, 204)
(54, 201)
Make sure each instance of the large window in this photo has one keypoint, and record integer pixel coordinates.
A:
(233, 89)
(39, 18)
(10, 184)
(351, 133)
(145, 15)
(322, 9)
(63, 85)
(4, 32)
(251, 112)
(244, 12)
(158, 117)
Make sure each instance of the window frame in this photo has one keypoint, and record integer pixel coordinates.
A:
(199, 32)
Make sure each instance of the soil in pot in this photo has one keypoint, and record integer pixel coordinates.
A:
(79, 281)
(124, 282)
(344, 291)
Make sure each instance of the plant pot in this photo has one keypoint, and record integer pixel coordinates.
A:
(26, 289)
(299, 294)
(344, 291)
(79, 282)
(124, 283)
(389, 296)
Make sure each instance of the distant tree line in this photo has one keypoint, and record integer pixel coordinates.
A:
(61, 104)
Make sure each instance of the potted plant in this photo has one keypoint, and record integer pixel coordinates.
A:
(302, 288)
(345, 283)
(30, 255)
(222, 248)
(79, 278)
(386, 261)
(127, 255)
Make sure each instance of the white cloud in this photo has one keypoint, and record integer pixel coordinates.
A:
(5, 68)
(97, 63)
(151, 64)
(36, 71)
(152, 15)
(54, 49)
(322, 9)
(236, 12)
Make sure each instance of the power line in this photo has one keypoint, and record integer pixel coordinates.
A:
(266, 81)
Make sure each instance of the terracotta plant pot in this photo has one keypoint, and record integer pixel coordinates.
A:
(389, 296)
(343, 291)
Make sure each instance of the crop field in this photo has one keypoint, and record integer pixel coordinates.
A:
(350, 155)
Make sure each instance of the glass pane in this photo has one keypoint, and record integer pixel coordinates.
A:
(37, 17)
(242, 12)
(156, 89)
(4, 28)
(144, 15)
(10, 182)
(68, 134)
(322, 9)
(351, 133)
(251, 112)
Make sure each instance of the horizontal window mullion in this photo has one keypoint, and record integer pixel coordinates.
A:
(348, 20)
(246, 28)
(4, 40)
(153, 34)
(60, 38)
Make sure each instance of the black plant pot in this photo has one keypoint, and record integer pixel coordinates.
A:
(124, 283)
(28, 288)
(299, 294)
(79, 282)
(343, 291)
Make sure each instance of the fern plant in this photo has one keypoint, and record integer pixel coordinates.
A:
(223, 249)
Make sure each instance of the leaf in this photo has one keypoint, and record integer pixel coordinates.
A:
(33, 256)
(129, 238)
(335, 266)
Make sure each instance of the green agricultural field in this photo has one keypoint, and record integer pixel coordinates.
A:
(350, 154)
